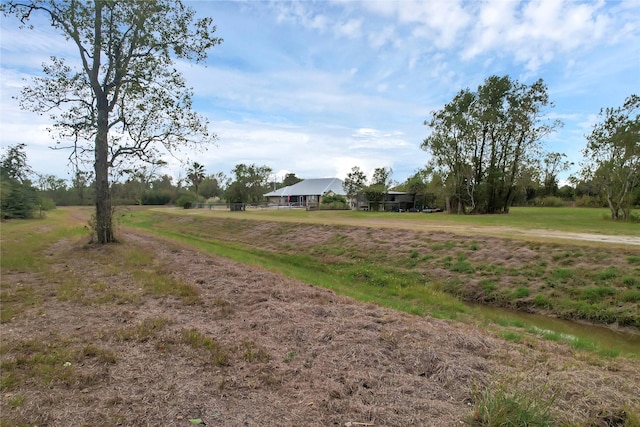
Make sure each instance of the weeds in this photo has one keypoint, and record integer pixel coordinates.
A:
(506, 404)
(289, 357)
(198, 341)
(51, 363)
(512, 336)
(143, 331)
(395, 278)
(633, 259)
(253, 352)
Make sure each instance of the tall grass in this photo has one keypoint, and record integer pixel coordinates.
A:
(507, 403)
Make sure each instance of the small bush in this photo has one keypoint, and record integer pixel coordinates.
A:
(160, 197)
(47, 203)
(198, 341)
(334, 199)
(186, 201)
(550, 202)
(589, 202)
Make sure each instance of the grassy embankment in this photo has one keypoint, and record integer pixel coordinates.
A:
(421, 272)
(388, 277)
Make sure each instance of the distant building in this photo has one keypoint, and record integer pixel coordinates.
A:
(307, 193)
(394, 201)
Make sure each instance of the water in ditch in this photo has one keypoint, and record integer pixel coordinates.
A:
(626, 341)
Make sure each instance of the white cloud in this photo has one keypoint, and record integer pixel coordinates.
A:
(351, 29)
(297, 12)
(318, 87)
(537, 31)
(378, 39)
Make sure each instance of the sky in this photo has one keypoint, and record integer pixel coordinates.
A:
(317, 87)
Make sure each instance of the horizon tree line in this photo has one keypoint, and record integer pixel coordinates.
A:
(123, 102)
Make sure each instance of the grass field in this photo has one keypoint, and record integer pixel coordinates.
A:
(418, 271)
(110, 326)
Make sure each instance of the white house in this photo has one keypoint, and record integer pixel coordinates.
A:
(306, 193)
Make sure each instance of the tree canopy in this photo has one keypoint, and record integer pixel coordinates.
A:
(354, 182)
(121, 99)
(196, 175)
(18, 197)
(612, 156)
(250, 184)
(480, 141)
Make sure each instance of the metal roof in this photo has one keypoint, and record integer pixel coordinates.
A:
(311, 187)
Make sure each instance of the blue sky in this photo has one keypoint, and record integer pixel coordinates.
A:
(315, 88)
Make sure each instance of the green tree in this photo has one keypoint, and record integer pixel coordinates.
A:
(354, 182)
(480, 141)
(289, 179)
(83, 186)
(419, 184)
(123, 100)
(213, 185)
(379, 187)
(612, 156)
(554, 163)
(18, 198)
(196, 175)
(250, 184)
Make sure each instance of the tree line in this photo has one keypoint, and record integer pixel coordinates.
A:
(24, 193)
(122, 102)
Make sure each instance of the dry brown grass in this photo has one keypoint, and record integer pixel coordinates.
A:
(295, 354)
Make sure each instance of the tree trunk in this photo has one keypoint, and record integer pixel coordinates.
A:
(104, 223)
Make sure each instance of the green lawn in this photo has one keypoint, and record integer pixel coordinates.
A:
(575, 220)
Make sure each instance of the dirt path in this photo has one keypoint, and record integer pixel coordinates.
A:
(295, 355)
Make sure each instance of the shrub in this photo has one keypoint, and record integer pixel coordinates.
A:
(161, 197)
(17, 200)
(631, 282)
(334, 198)
(334, 201)
(186, 201)
(550, 202)
(47, 203)
(589, 202)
